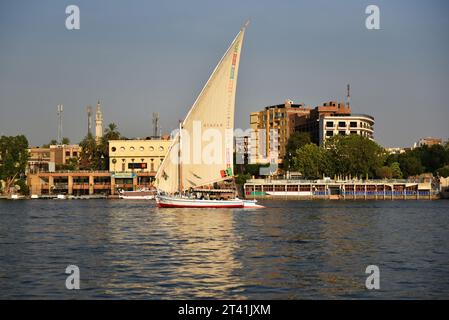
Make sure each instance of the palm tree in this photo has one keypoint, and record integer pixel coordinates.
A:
(111, 132)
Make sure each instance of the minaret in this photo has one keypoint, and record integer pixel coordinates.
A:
(98, 123)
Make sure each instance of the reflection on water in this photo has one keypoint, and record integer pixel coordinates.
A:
(290, 250)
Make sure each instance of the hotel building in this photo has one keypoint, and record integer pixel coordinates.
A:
(329, 119)
(282, 119)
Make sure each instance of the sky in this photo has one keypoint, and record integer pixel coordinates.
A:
(140, 57)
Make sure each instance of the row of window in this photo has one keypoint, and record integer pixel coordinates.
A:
(352, 124)
(113, 149)
(330, 133)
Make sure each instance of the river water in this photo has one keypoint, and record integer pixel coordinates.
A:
(289, 250)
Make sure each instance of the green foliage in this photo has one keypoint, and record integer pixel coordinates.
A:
(355, 155)
(71, 164)
(95, 156)
(312, 161)
(384, 172)
(295, 141)
(23, 188)
(443, 171)
(13, 159)
(410, 164)
(249, 169)
(65, 140)
(240, 179)
(396, 170)
(423, 159)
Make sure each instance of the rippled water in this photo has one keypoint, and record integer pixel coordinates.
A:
(290, 250)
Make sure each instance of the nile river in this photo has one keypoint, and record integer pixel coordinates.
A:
(290, 250)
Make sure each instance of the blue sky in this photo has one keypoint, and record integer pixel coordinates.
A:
(140, 57)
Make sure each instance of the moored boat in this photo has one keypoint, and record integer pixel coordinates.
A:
(139, 194)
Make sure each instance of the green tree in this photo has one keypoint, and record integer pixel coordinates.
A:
(88, 154)
(51, 143)
(410, 164)
(355, 155)
(444, 171)
(295, 141)
(396, 170)
(384, 172)
(65, 140)
(111, 132)
(433, 157)
(13, 161)
(95, 156)
(312, 161)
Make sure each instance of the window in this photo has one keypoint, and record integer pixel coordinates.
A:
(329, 133)
(353, 124)
(75, 154)
(67, 153)
(342, 133)
(342, 124)
(329, 124)
(137, 165)
(113, 149)
(353, 132)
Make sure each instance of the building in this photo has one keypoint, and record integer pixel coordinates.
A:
(397, 150)
(98, 123)
(137, 155)
(280, 119)
(272, 127)
(39, 159)
(360, 124)
(52, 158)
(428, 141)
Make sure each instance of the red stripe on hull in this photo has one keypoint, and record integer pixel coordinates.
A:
(166, 205)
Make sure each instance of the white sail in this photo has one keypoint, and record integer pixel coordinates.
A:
(207, 131)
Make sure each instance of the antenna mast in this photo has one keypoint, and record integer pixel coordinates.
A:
(348, 95)
(156, 125)
(89, 120)
(60, 110)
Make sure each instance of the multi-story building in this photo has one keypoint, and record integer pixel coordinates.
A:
(137, 155)
(39, 159)
(49, 159)
(280, 119)
(329, 119)
(428, 141)
(334, 118)
(360, 124)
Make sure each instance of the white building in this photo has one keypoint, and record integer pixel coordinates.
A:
(360, 124)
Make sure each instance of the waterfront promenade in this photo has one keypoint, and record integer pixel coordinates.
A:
(341, 189)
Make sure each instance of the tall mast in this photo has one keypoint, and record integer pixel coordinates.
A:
(179, 160)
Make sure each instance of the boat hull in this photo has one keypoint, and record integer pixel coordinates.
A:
(173, 202)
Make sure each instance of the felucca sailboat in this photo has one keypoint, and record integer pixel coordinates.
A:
(193, 162)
